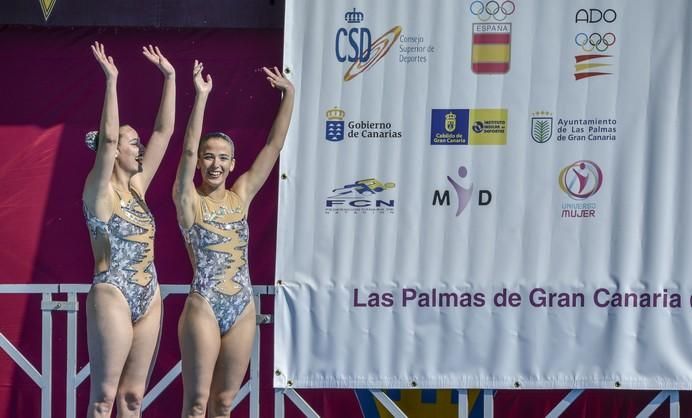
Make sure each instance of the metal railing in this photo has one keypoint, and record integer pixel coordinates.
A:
(251, 386)
(76, 378)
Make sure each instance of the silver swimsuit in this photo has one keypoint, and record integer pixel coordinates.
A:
(130, 233)
(218, 243)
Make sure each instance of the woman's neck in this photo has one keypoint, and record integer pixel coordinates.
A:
(120, 179)
(215, 192)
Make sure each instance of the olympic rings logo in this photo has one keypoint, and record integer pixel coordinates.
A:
(498, 11)
(595, 41)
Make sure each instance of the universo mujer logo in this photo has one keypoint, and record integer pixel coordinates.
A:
(581, 179)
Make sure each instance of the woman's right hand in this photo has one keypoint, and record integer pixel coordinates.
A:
(201, 85)
(106, 62)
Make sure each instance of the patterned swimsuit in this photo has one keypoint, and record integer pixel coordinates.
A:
(130, 233)
(218, 241)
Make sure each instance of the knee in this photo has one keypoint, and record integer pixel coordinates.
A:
(196, 404)
(102, 400)
(223, 403)
(131, 399)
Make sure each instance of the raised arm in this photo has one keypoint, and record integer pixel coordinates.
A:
(184, 194)
(97, 185)
(251, 181)
(165, 119)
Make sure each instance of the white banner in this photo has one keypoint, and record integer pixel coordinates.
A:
(486, 194)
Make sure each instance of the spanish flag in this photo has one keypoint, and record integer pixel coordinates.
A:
(491, 48)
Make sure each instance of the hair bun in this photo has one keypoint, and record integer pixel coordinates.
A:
(90, 139)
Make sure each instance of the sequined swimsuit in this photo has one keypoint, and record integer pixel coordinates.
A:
(218, 241)
(130, 233)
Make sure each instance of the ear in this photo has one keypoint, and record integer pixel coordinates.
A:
(232, 166)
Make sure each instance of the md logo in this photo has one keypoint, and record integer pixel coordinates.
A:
(464, 194)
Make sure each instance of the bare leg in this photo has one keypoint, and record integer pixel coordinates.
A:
(199, 339)
(109, 335)
(231, 366)
(140, 361)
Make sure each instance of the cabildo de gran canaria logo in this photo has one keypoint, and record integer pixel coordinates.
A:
(354, 44)
(490, 51)
(337, 130)
(468, 127)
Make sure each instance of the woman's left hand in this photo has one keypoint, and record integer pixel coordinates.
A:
(154, 55)
(278, 80)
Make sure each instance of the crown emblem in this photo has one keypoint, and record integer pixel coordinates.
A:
(335, 114)
(450, 122)
(354, 16)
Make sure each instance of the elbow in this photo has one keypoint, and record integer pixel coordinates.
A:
(166, 131)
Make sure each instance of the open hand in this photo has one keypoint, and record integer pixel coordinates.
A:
(154, 55)
(278, 80)
(106, 62)
(201, 85)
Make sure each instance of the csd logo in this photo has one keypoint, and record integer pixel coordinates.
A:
(595, 16)
(353, 44)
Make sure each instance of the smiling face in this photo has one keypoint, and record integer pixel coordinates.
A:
(215, 161)
(130, 150)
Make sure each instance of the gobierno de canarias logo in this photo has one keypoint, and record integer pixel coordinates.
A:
(354, 44)
(581, 179)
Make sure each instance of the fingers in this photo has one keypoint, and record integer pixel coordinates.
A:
(96, 49)
(99, 52)
(197, 69)
(274, 74)
(149, 52)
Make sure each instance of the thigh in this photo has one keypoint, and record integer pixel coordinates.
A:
(235, 353)
(199, 339)
(109, 334)
(140, 361)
